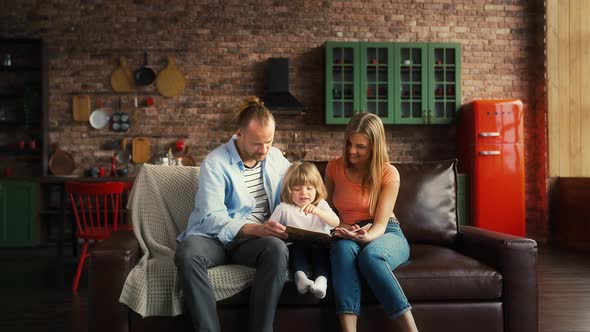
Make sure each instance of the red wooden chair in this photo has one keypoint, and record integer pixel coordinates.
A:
(125, 221)
(96, 210)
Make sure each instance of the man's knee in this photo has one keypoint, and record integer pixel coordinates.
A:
(275, 250)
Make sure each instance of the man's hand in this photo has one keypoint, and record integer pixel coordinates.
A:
(269, 228)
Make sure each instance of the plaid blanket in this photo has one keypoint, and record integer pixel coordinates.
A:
(160, 203)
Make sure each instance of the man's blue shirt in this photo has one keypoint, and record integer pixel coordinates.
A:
(222, 202)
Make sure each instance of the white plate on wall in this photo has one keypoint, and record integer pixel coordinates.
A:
(98, 119)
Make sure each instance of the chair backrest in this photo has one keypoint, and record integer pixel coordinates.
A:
(95, 207)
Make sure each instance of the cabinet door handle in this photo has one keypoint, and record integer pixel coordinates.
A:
(489, 134)
(489, 153)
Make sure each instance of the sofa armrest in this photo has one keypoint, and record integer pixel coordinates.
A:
(516, 259)
(110, 263)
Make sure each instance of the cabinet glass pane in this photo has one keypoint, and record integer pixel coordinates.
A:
(376, 77)
(411, 82)
(405, 110)
(416, 109)
(348, 91)
(445, 82)
(450, 56)
(342, 85)
(451, 109)
(376, 56)
(439, 109)
(411, 55)
(343, 55)
(343, 109)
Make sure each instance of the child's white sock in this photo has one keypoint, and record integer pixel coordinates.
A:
(303, 284)
(319, 287)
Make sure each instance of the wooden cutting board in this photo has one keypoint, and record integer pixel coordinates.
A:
(122, 78)
(61, 162)
(140, 150)
(81, 108)
(170, 82)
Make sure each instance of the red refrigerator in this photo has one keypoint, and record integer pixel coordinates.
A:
(491, 151)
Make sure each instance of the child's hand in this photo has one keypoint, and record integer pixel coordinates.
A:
(310, 208)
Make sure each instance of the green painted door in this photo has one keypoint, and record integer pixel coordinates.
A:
(342, 81)
(18, 213)
(377, 80)
(444, 84)
(411, 79)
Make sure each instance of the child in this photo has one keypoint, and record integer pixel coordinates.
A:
(303, 206)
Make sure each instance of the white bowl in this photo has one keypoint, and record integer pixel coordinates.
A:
(98, 119)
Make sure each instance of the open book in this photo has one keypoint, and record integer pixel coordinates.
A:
(300, 234)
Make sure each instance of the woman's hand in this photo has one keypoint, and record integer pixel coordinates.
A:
(354, 232)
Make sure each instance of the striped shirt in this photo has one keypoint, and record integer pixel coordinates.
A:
(255, 185)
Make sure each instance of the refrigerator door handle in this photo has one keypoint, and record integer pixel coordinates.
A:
(489, 153)
(489, 134)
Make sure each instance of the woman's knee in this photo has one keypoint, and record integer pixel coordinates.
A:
(343, 249)
(371, 255)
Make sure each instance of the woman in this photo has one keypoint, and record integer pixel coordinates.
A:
(363, 186)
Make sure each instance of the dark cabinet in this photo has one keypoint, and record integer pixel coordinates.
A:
(18, 213)
(23, 113)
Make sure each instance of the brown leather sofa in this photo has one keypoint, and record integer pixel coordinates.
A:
(457, 279)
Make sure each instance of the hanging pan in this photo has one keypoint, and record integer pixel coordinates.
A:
(144, 75)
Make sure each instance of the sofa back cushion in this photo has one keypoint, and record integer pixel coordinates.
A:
(427, 201)
(426, 205)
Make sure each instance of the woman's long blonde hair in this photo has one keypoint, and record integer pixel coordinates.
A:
(301, 173)
(370, 126)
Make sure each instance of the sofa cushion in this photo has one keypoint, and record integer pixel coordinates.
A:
(427, 201)
(439, 273)
(432, 273)
(426, 205)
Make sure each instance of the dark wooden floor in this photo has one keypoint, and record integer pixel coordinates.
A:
(29, 300)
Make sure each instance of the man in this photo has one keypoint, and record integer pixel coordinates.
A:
(239, 186)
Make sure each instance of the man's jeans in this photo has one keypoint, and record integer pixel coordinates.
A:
(194, 255)
(375, 263)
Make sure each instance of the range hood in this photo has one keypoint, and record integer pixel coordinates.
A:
(277, 97)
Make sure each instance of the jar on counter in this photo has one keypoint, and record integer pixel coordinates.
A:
(7, 60)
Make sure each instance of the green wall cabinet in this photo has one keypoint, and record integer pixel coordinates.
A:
(342, 81)
(403, 83)
(18, 213)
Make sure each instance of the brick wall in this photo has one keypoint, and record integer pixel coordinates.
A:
(221, 47)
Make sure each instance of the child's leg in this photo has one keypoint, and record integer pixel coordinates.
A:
(300, 267)
(320, 261)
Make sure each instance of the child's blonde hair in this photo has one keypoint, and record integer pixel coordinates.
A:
(302, 173)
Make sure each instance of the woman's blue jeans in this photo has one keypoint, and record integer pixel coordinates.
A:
(374, 262)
